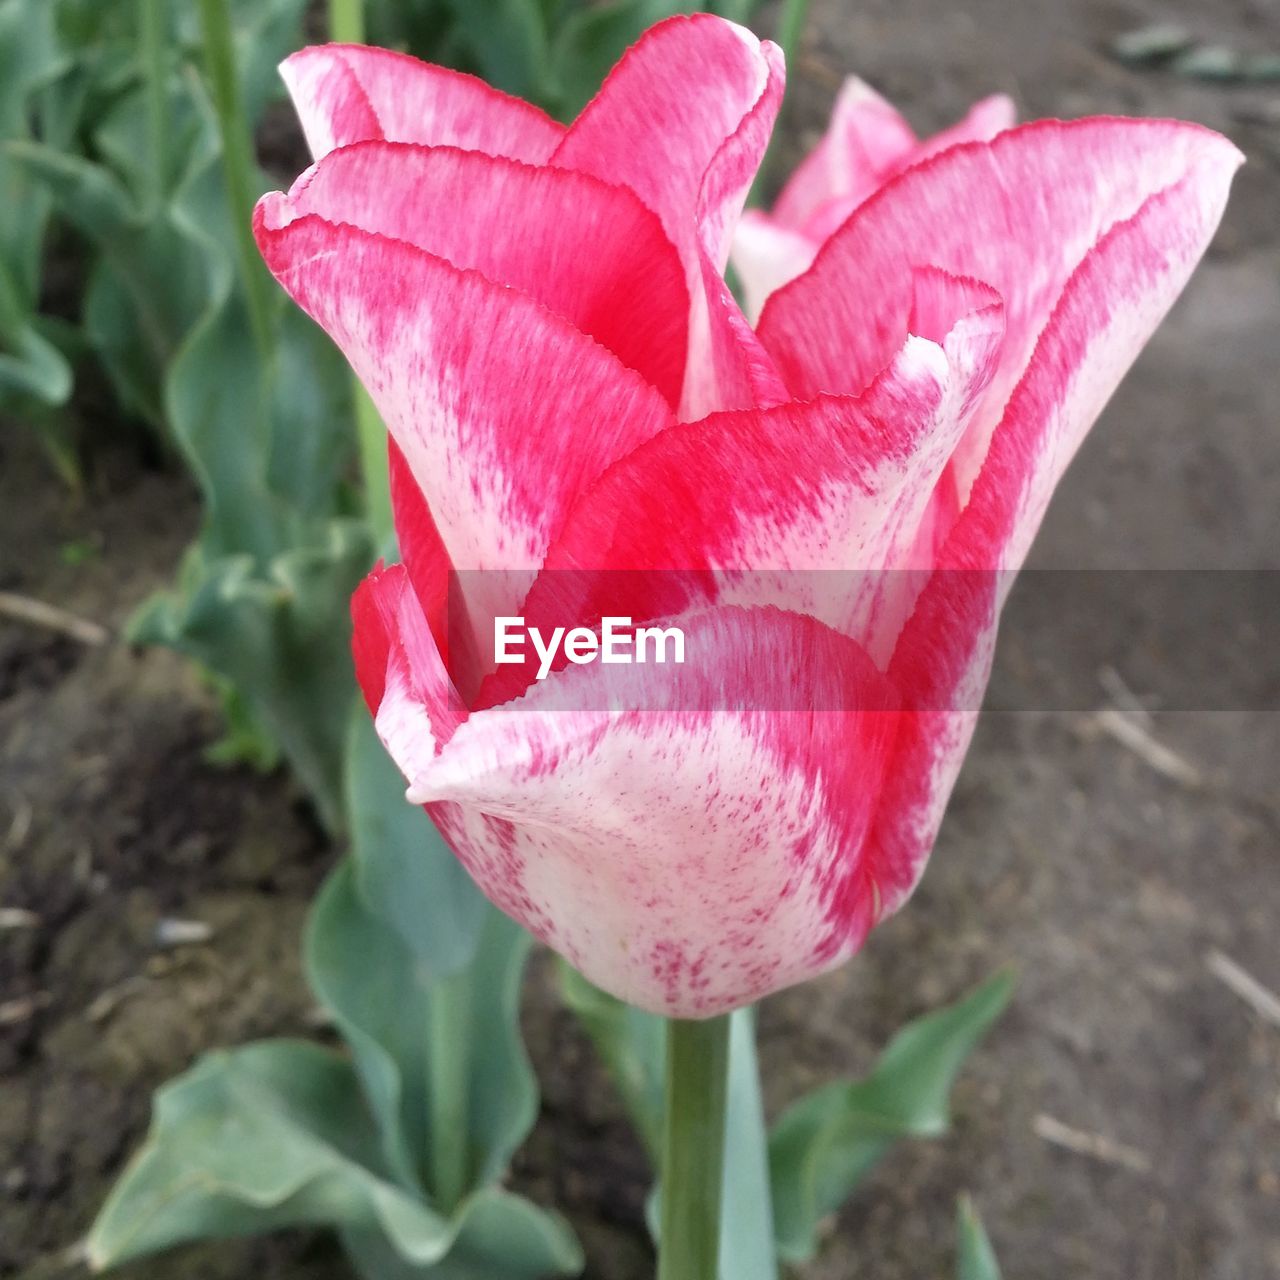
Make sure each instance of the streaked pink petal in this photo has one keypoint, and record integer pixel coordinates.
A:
(1109, 308)
(588, 250)
(1019, 212)
(804, 506)
(865, 143)
(739, 789)
(683, 120)
(987, 118)
(348, 93)
(422, 550)
(503, 410)
(399, 667)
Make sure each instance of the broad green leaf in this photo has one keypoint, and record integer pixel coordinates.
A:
(145, 292)
(277, 1135)
(87, 194)
(423, 27)
(426, 1048)
(405, 872)
(507, 40)
(32, 369)
(272, 1135)
(501, 1237)
(746, 1212)
(823, 1145)
(281, 640)
(976, 1259)
(632, 1044)
(734, 10)
(122, 140)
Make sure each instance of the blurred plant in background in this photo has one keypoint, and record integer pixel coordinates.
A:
(552, 52)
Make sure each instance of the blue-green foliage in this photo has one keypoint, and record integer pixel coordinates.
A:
(425, 992)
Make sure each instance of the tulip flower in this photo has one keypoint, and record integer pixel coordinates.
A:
(829, 506)
(866, 144)
(539, 313)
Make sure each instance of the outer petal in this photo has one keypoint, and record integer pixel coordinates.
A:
(683, 120)
(662, 121)
(810, 507)
(400, 668)
(685, 852)
(422, 550)
(1110, 307)
(347, 93)
(503, 410)
(1019, 212)
(587, 250)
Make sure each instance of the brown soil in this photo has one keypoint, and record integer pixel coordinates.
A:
(1106, 880)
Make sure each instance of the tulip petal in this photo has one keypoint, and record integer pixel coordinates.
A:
(683, 120)
(399, 667)
(686, 891)
(810, 506)
(588, 250)
(981, 123)
(986, 119)
(865, 143)
(1019, 212)
(1109, 308)
(503, 410)
(346, 93)
(422, 549)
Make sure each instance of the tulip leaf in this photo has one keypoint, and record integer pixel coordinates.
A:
(32, 369)
(426, 1046)
(632, 1044)
(976, 1259)
(507, 40)
(404, 870)
(501, 1237)
(825, 1144)
(89, 196)
(276, 1134)
(280, 640)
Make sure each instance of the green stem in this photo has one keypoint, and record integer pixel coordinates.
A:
(346, 25)
(790, 24)
(790, 27)
(693, 1149)
(346, 21)
(448, 1068)
(151, 35)
(238, 164)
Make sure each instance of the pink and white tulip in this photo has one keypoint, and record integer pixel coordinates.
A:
(539, 313)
